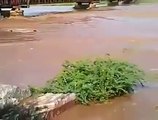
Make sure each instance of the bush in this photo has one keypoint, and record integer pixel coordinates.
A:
(95, 81)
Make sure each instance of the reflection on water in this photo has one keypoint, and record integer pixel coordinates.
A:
(39, 10)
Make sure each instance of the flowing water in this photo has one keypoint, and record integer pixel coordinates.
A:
(33, 49)
(143, 105)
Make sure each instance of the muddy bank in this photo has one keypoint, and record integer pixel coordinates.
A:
(32, 58)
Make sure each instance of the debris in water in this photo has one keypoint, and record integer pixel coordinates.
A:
(34, 30)
(11, 30)
(21, 30)
(107, 54)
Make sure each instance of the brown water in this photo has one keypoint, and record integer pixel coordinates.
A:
(33, 49)
(143, 105)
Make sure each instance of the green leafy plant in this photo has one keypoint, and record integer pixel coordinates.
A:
(95, 81)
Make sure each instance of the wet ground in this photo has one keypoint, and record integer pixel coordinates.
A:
(33, 49)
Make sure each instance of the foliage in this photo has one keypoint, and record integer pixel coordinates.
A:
(147, 1)
(15, 112)
(95, 81)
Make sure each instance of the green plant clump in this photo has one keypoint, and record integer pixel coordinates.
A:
(95, 81)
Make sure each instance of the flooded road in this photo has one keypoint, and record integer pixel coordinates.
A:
(33, 49)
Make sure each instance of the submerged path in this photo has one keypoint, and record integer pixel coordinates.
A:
(33, 49)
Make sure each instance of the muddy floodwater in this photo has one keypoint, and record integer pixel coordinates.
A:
(32, 50)
(140, 106)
